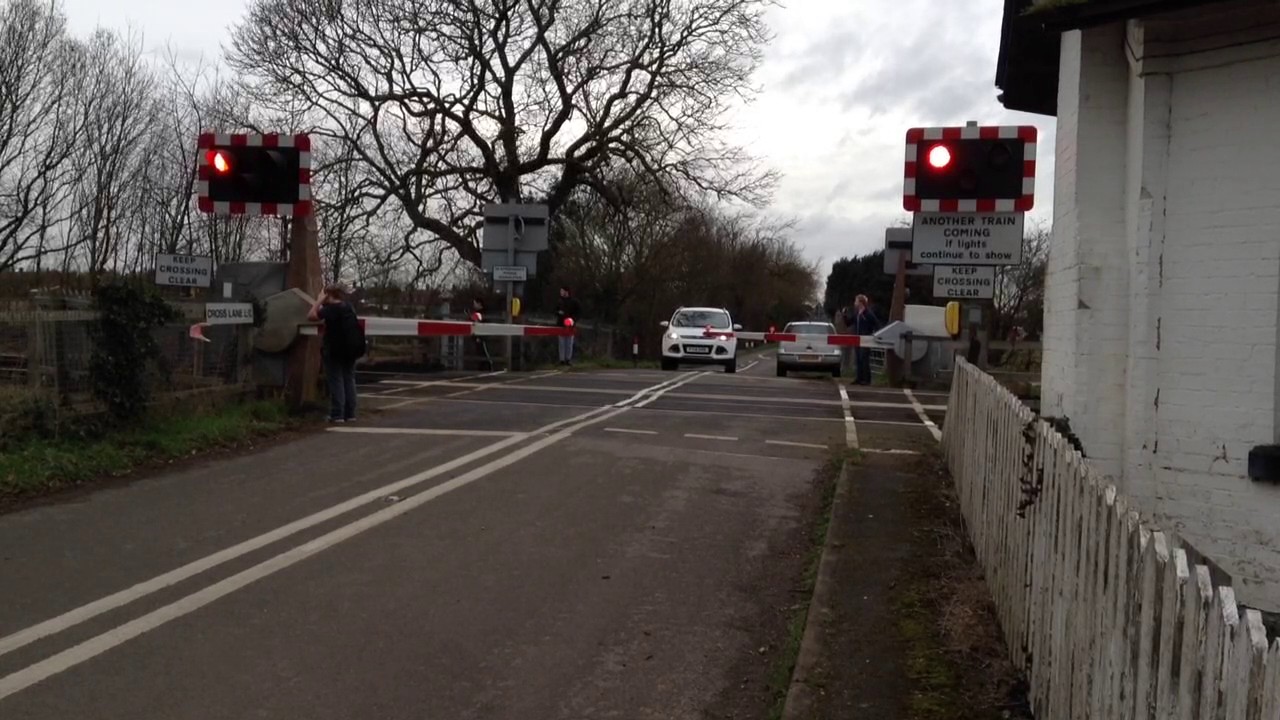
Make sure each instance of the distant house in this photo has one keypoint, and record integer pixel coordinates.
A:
(1163, 283)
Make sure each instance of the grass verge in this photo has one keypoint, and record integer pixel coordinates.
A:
(784, 666)
(955, 653)
(37, 466)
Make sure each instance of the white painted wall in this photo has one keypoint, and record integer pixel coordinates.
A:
(1164, 273)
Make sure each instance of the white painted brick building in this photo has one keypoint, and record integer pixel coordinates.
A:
(1163, 282)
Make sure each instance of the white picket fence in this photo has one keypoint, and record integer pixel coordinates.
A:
(1099, 608)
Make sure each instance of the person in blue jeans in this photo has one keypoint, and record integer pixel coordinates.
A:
(340, 335)
(861, 321)
(566, 316)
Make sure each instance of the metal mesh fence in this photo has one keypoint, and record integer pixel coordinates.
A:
(46, 355)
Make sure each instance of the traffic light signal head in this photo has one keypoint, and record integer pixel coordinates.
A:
(254, 174)
(970, 169)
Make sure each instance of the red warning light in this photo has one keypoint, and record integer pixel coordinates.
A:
(939, 157)
(220, 162)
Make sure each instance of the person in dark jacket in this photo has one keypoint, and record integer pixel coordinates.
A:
(862, 321)
(477, 316)
(566, 316)
(339, 359)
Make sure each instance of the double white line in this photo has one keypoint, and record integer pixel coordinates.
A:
(552, 434)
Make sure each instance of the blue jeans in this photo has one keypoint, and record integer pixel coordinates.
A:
(566, 348)
(341, 376)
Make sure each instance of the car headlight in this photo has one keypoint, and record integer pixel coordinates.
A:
(722, 337)
(673, 336)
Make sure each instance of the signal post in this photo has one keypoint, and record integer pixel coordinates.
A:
(270, 175)
(968, 189)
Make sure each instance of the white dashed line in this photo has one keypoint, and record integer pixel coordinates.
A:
(696, 436)
(788, 443)
(850, 427)
(630, 431)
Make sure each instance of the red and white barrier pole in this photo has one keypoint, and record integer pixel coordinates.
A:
(412, 327)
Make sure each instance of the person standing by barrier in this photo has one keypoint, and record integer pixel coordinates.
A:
(344, 343)
(477, 316)
(862, 322)
(566, 316)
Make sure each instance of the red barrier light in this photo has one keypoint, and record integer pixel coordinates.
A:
(939, 157)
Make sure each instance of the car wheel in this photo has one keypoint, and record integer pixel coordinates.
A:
(782, 370)
(668, 364)
(731, 366)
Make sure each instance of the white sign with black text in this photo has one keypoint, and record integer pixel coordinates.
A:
(964, 282)
(184, 270)
(967, 238)
(228, 313)
(510, 273)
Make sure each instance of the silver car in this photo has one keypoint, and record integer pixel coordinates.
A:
(809, 354)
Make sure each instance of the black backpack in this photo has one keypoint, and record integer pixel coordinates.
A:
(353, 340)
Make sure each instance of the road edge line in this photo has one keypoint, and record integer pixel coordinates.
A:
(800, 696)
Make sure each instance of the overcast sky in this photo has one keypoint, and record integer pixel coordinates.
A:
(841, 83)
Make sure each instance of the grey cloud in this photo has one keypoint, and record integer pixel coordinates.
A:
(821, 63)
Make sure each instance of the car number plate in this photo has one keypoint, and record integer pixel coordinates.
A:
(697, 349)
(810, 358)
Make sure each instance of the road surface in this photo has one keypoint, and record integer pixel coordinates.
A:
(546, 545)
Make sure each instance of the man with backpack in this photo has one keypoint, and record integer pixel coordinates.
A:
(344, 343)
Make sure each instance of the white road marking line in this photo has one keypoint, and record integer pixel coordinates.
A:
(788, 443)
(850, 427)
(105, 604)
(455, 382)
(748, 366)
(630, 431)
(650, 409)
(697, 436)
(730, 399)
(654, 396)
(889, 451)
(924, 418)
(481, 387)
(421, 431)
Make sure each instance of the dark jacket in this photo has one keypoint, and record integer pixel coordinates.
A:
(861, 323)
(566, 308)
(335, 316)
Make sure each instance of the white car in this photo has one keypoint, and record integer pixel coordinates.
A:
(700, 336)
(808, 356)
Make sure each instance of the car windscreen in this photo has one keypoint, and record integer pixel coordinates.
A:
(811, 328)
(701, 318)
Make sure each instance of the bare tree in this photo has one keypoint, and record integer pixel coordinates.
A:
(118, 102)
(454, 103)
(1019, 289)
(40, 68)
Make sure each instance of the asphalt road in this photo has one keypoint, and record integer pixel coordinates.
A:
(547, 545)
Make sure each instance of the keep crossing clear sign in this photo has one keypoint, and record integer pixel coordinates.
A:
(184, 270)
(964, 282)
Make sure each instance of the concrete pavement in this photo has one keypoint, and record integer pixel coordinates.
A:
(550, 545)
